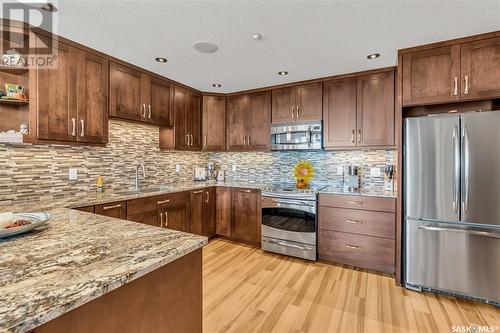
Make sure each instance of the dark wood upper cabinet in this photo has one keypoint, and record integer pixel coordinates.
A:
(194, 120)
(92, 98)
(246, 215)
(339, 113)
(259, 121)
(214, 123)
(125, 94)
(480, 69)
(359, 111)
(161, 102)
(57, 95)
(297, 103)
(114, 209)
(375, 109)
(181, 101)
(237, 111)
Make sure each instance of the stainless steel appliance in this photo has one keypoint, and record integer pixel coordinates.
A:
(289, 221)
(297, 136)
(452, 212)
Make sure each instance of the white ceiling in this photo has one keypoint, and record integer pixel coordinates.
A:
(309, 39)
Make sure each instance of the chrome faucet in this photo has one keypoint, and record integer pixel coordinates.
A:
(140, 165)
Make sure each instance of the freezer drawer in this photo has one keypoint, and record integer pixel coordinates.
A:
(453, 258)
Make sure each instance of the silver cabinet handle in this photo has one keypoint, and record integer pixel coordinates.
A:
(149, 110)
(82, 132)
(456, 167)
(466, 89)
(161, 219)
(73, 131)
(248, 140)
(143, 108)
(186, 140)
(208, 197)
(166, 219)
(192, 140)
(359, 135)
(455, 86)
(353, 134)
(354, 247)
(246, 191)
(464, 231)
(163, 202)
(111, 207)
(466, 154)
(198, 192)
(293, 109)
(354, 202)
(244, 141)
(204, 141)
(353, 221)
(298, 115)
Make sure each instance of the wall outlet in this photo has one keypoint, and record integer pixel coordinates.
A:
(340, 170)
(375, 172)
(177, 168)
(233, 168)
(73, 174)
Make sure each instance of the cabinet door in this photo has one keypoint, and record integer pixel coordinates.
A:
(431, 76)
(246, 215)
(114, 209)
(259, 121)
(339, 113)
(480, 69)
(92, 98)
(309, 102)
(375, 109)
(284, 106)
(197, 212)
(125, 93)
(210, 212)
(176, 217)
(214, 123)
(223, 207)
(56, 96)
(194, 121)
(237, 110)
(146, 97)
(181, 100)
(161, 102)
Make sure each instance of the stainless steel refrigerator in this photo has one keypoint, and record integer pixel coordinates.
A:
(452, 204)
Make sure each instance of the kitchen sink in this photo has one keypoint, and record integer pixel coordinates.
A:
(145, 190)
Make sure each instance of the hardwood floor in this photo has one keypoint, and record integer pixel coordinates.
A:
(248, 290)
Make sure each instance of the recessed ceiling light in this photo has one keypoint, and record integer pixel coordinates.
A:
(256, 36)
(217, 85)
(49, 7)
(205, 47)
(373, 56)
(283, 73)
(160, 59)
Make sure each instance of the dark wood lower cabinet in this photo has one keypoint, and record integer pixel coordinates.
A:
(88, 209)
(210, 212)
(115, 209)
(246, 217)
(202, 219)
(223, 211)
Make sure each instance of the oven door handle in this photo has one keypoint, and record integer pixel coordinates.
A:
(305, 248)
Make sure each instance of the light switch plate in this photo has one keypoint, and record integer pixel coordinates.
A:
(340, 170)
(73, 174)
(177, 168)
(375, 172)
(233, 168)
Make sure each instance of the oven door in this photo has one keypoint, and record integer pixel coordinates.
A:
(291, 220)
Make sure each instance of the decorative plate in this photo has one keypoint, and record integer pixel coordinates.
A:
(22, 222)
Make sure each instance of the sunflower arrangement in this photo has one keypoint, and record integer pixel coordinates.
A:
(303, 172)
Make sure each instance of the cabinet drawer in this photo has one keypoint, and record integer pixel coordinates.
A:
(113, 209)
(141, 205)
(357, 250)
(355, 221)
(358, 202)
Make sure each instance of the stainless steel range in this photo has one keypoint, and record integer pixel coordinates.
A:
(289, 221)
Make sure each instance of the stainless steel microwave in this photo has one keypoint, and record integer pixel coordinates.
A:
(297, 136)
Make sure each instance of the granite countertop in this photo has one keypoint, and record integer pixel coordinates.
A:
(362, 192)
(77, 257)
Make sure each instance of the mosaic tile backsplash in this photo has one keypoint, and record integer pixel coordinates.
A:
(30, 172)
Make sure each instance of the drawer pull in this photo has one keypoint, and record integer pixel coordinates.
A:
(353, 221)
(163, 202)
(354, 202)
(161, 219)
(198, 192)
(354, 247)
(111, 207)
(166, 219)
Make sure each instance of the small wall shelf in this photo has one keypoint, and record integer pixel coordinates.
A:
(13, 102)
(13, 69)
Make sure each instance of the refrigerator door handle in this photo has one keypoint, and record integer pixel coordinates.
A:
(466, 166)
(456, 168)
(464, 231)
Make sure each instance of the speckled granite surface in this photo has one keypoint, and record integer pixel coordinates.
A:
(77, 257)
